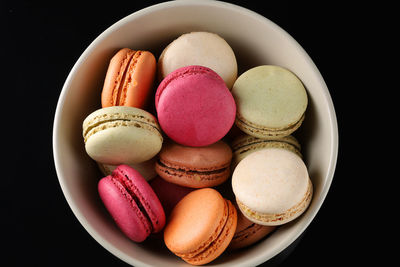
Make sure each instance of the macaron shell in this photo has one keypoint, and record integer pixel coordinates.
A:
(195, 221)
(129, 79)
(144, 194)
(273, 219)
(272, 186)
(195, 167)
(123, 210)
(141, 84)
(261, 131)
(221, 243)
(269, 98)
(116, 135)
(248, 232)
(199, 48)
(206, 158)
(194, 106)
(115, 77)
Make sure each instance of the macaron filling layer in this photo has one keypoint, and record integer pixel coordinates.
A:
(247, 232)
(179, 171)
(124, 78)
(138, 210)
(252, 128)
(146, 214)
(255, 143)
(106, 121)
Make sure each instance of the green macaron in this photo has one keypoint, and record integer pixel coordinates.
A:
(271, 101)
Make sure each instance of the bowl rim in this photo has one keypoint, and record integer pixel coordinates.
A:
(165, 5)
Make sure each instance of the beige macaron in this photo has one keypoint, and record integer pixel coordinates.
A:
(271, 101)
(121, 135)
(199, 48)
(272, 186)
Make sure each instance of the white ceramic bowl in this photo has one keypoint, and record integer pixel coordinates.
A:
(256, 41)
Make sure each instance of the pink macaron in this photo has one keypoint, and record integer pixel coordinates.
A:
(132, 203)
(194, 106)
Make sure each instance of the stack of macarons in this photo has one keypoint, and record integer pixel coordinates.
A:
(213, 164)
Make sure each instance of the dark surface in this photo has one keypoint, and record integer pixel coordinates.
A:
(43, 40)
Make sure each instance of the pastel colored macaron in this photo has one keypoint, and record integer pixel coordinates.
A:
(195, 167)
(271, 101)
(248, 233)
(247, 144)
(272, 186)
(132, 203)
(121, 135)
(129, 79)
(168, 193)
(194, 106)
(199, 48)
(145, 168)
(201, 226)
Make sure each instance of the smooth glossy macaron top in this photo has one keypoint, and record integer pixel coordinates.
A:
(194, 106)
(129, 79)
(132, 203)
(121, 135)
(200, 226)
(272, 186)
(271, 101)
(199, 48)
(195, 167)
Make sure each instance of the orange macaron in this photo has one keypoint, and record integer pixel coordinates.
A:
(129, 79)
(201, 226)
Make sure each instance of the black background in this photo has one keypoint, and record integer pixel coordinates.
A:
(41, 41)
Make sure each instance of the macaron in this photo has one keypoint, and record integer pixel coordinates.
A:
(247, 144)
(132, 203)
(121, 135)
(145, 168)
(195, 167)
(248, 233)
(129, 79)
(271, 101)
(201, 226)
(194, 106)
(199, 48)
(272, 186)
(168, 193)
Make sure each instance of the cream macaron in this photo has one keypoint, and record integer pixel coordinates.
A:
(121, 135)
(272, 186)
(199, 48)
(270, 100)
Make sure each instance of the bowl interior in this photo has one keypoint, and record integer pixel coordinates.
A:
(255, 41)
